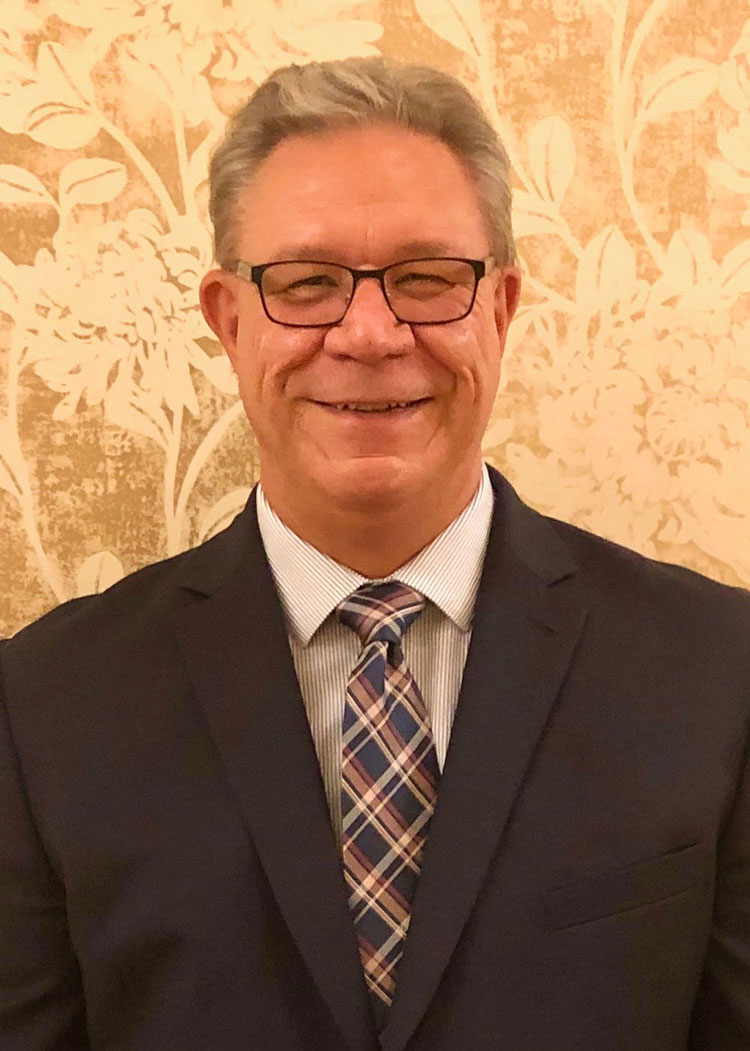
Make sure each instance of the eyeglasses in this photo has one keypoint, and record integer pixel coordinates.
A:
(308, 294)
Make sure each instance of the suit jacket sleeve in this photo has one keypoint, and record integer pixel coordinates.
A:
(41, 999)
(721, 1017)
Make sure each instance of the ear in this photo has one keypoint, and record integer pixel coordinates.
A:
(507, 294)
(219, 297)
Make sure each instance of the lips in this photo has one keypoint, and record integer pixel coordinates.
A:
(371, 406)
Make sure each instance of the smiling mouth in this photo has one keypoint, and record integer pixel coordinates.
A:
(372, 406)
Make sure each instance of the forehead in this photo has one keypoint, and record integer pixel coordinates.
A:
(362, 196)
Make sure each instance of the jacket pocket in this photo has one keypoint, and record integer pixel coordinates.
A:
(645, 883)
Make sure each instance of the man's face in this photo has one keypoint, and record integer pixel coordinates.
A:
(364, 197)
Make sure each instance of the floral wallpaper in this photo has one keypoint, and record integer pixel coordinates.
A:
(625, 400)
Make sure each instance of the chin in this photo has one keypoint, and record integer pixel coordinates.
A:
(373, 482)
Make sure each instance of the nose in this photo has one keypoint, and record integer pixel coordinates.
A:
(369, 329)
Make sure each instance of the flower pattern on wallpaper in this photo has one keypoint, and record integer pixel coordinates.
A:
(625, 398)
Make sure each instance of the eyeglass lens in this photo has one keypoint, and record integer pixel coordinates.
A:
(425, 290)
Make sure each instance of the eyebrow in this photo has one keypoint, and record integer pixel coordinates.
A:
(325, 252)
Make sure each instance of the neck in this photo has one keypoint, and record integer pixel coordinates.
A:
(373, 539)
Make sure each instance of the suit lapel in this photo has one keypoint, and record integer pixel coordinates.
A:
(233, 639)
(527, 621)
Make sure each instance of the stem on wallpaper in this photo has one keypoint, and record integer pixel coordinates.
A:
(170, 481)
(207, 446)
(49, 572)
(642, 30)
(657, 252)
(621, 77)
(178, 124)
(144, 166)
(20, 473)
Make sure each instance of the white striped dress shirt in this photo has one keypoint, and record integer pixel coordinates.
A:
(310, 586)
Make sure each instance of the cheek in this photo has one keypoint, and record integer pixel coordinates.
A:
(473, 356)
(268, 358)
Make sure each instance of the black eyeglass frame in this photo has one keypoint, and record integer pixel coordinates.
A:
(253, 272)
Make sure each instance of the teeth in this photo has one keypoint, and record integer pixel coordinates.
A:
(373, 406)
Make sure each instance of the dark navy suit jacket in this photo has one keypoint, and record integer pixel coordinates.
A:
(168, 874)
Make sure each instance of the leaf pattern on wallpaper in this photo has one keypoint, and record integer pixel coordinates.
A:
(91, 180)
(606, 270)
(21, 187)
(57, 107)
(98, 572)
(459, 22)
(222, 512)
(552, 158)
(683, 84)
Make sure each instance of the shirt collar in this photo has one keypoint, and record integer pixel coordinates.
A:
(310, 584)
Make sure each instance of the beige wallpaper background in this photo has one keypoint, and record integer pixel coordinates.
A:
(625, 402)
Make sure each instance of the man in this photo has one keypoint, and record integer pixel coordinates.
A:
(237, 810)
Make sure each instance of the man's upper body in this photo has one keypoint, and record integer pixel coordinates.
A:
(170, 868)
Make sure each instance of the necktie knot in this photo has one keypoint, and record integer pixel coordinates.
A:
(381, 612)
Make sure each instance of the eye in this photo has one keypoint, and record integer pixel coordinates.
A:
(298, 283)
(417, 277)
(420, 283)
(314, 281)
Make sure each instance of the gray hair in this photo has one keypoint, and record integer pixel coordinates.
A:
(357, 92)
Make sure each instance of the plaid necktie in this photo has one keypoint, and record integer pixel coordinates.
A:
(389, 781)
